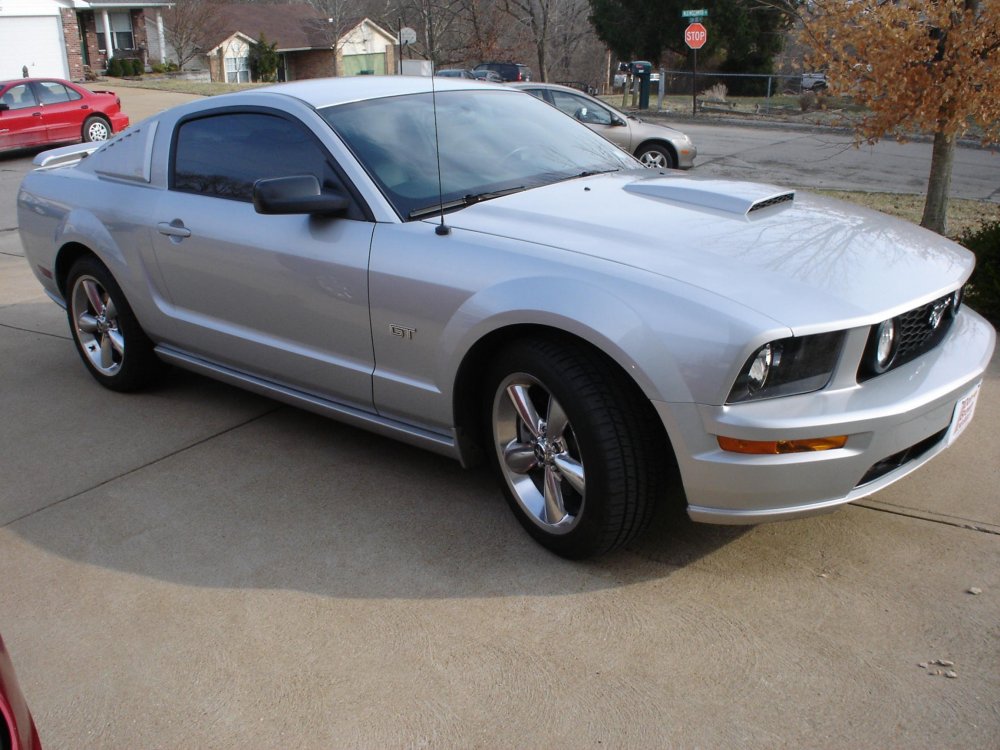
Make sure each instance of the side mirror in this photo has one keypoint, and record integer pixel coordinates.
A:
(4, 106)
(617, 121)
(296, 195)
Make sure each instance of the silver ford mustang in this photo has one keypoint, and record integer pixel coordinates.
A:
(473, 272)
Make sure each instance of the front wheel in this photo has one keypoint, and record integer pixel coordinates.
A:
(656, 157)
(573, 445)
(107, 335)
(96, 129)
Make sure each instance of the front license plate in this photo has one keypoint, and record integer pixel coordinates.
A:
(963, 414)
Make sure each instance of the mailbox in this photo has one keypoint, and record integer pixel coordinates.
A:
(642, 69)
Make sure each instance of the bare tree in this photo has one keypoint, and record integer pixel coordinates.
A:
(543, 19)
(184, 26)
(331, 27)
(482, 23)
(438, 23)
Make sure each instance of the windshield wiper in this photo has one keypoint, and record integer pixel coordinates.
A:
(585, 173)
(468, 200)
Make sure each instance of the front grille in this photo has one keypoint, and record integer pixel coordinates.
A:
(893, 462)
(916, 334)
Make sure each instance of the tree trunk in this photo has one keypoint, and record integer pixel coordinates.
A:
(939, 183)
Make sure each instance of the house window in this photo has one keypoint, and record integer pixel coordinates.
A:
(121, 31)
(237, 70)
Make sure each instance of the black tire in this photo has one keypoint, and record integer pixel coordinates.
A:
(96, 128)
(112, 345)
(655, 156)
(601, 461)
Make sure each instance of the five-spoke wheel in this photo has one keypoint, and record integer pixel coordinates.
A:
(540, 456)
(95, 325)
(111, 343)
(572, 442)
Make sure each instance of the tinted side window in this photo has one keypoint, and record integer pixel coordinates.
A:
(223, 155)
(19, 97)
(50, 92)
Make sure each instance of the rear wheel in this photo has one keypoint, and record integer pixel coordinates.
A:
(655, 156)
(110, 341)
(573, 445)
(96, 129)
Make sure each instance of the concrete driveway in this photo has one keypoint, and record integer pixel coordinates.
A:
(199, 567)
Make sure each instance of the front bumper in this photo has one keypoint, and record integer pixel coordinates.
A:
(894, 423)
(686, 153)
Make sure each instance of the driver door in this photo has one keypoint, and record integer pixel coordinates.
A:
(281, 297)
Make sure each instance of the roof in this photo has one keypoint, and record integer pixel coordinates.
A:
(291, 26)
(324, 92)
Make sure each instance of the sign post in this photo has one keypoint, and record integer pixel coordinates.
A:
(695, 36)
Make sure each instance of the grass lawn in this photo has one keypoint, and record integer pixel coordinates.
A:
(179, 86)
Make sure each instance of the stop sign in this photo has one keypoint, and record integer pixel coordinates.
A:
(695, 36)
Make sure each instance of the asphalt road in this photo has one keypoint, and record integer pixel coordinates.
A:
(808, 159)
(199, 567)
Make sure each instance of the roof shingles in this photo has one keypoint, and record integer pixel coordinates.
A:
(290, 25)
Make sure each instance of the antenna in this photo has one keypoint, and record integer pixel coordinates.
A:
(441, 229)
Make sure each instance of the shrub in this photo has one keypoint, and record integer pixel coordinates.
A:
(807, 101)
(115, 68)
(983, 290)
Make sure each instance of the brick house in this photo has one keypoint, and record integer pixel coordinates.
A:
(309, 44)
(57, 38)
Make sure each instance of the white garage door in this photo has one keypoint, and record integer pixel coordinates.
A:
(32, 41)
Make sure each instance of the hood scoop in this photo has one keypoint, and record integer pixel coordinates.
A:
(740, 198)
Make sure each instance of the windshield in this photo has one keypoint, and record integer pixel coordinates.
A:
(491, 142)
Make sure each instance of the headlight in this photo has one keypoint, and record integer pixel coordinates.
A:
(787, 367)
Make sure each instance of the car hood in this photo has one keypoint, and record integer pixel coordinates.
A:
(806, 261)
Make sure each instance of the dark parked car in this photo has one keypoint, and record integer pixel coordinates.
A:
(508, 71)
(17, 729)
(34, 112)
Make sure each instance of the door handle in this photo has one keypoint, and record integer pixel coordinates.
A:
(36, 114)
(84, 106)
(173, 229)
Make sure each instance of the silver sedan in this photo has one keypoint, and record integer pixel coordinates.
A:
(654, 145)
(592, 329)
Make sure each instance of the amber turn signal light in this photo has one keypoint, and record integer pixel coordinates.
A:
(775, 447)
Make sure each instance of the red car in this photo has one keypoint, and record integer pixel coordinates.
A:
(17, 729)
(37, 111)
